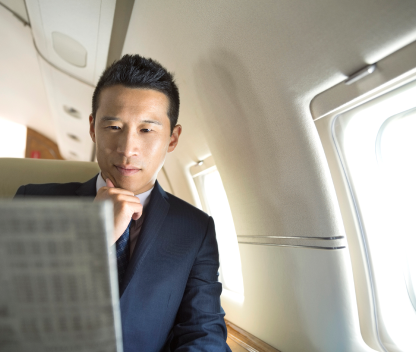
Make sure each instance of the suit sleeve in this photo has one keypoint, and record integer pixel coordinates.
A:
(199, 324)
(21, 192)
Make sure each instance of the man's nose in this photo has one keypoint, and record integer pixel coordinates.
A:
(128, 144)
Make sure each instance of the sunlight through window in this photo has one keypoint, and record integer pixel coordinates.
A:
(12, 139)
(214, 201)
(396, 150)
(377, 145)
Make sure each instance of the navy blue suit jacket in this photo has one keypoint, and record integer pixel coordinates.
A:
(170, 296)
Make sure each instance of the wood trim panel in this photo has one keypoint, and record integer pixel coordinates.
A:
(244, 341)
(41, 147)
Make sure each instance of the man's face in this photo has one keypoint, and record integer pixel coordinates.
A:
(132, 136)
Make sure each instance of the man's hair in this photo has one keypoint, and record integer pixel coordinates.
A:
(134, 71)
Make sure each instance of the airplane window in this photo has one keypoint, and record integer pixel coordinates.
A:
(376, 144)
(12, 139)
(396, 153)
(214, 202)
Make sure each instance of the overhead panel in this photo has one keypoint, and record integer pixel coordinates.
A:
(74, 36)
(72, 39)
(69, 49)
(70, 104)
(22, 95)
(18, 7)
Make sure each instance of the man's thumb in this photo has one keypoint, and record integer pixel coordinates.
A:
(109, 183)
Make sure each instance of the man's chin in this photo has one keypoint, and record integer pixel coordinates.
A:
(135, 186)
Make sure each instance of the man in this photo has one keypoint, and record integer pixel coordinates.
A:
(167, 254)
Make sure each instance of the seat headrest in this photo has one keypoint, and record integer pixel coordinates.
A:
(15, 172)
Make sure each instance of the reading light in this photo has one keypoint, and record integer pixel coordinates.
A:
(200, 162)
(69, 49)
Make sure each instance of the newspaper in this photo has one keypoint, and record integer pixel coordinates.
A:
(58, 281)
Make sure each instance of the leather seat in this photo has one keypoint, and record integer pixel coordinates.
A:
(15, 172)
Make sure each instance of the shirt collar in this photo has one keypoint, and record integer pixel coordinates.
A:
(144, 197)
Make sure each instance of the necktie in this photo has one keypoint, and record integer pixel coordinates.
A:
(123, 254)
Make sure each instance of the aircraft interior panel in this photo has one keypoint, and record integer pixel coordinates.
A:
(25, 83)
(390, 89)
(70, 101)
(18, 7)
(77, 40)
(261, 84)
(327, 323)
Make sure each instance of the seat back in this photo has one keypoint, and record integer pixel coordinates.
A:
(15, 172)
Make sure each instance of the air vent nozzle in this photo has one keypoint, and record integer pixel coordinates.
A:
(73, 112)
(73, 137)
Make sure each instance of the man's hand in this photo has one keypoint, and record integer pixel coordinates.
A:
(126, 206)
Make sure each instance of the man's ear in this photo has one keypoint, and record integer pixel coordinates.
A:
(174, 138)
(92, 128)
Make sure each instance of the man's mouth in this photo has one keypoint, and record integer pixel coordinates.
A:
(127, 170)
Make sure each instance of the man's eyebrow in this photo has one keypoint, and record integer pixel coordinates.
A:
(152, 121)
(110, 118)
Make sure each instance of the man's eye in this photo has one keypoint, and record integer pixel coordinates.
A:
(145, 130)
(114, 127)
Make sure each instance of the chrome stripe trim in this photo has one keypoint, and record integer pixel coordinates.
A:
(294, 246)
(295, 237)
(294, 241)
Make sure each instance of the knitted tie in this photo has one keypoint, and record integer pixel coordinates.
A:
(123, 254)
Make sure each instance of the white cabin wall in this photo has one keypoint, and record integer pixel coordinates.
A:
(247, 72)
(18, 7)
(22, 92)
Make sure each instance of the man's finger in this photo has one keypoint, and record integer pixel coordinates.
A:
(122, 197)
(111, 191)
(109, 183)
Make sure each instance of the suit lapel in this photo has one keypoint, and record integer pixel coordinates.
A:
(88, 189)
(154, 216)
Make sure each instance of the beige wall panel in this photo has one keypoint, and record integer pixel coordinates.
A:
(179, 179)
(22, 93)
(296, 299)
(164, 181)
(18, 7)
(66, 91)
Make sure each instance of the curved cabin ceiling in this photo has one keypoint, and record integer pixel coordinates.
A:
(62, 54)
(18, 7)
(73, 36)
(22, 92)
